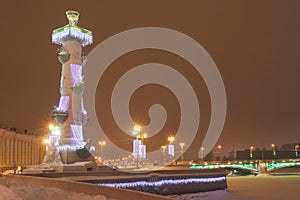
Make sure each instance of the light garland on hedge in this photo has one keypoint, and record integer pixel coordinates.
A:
(164, 182)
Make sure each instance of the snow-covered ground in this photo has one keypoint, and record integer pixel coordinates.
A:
(253, 188)
(239, 188)
(23, 192)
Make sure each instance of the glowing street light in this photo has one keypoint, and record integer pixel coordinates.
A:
(137, 144)
(102, 143)
(136, 131)
(46, 141)
(273, 149)
(296, 150)
(51, 127)
(202, 154)
(137, 128)
(251, 152)
(181, 146)
(171, 139)
(219, 151)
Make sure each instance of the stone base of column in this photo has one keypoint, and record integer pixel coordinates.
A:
(80, 155)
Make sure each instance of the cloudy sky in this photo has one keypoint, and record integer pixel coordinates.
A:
(254, 44)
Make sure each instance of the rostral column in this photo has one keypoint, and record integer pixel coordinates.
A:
(70, 115)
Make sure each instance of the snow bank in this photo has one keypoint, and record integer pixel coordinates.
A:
(7, 194)
(30, 192)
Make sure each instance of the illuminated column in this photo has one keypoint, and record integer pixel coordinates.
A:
(7, 151)
(23, 153)
(34, 154)
(70, 114)
(27, 153)
(4, 150)
(1, 150)
(20, 152)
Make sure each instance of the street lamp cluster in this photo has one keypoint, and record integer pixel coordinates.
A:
(274, 151)
(139, 149)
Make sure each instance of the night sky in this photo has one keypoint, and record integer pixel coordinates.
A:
(255, 44)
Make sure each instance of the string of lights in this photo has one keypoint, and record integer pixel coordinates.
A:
(72, 32)
(163, 182)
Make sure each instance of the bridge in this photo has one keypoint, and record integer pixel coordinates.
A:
(250, 167)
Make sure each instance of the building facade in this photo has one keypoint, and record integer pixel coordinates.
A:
(19, 149)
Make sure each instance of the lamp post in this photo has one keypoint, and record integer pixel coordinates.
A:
(102, 143)
(251, 152)
(296, 150)
(274, 150)
(219, 151)
(171, 139)
(202, 151)
(181, 146)
(163, 147)
(136, 131)
(171, 150)
(137, 143)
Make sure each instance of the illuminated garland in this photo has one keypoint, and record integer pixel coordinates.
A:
(71, 32)
(69, 148)
(76, 71)
(63, 103)
(163, 182)
(77, 133)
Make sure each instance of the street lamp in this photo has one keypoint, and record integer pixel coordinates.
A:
(296, 150)
(102, 143)
(181, 146)
(46, 141)
(273, 149)
(251, 152)
(219, 151)
(163, 147)
(171, 139)
(51, 127)
(137, 130)
(202, 155)
(137, 143)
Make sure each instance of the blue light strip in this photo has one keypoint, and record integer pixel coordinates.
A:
(163, 182)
